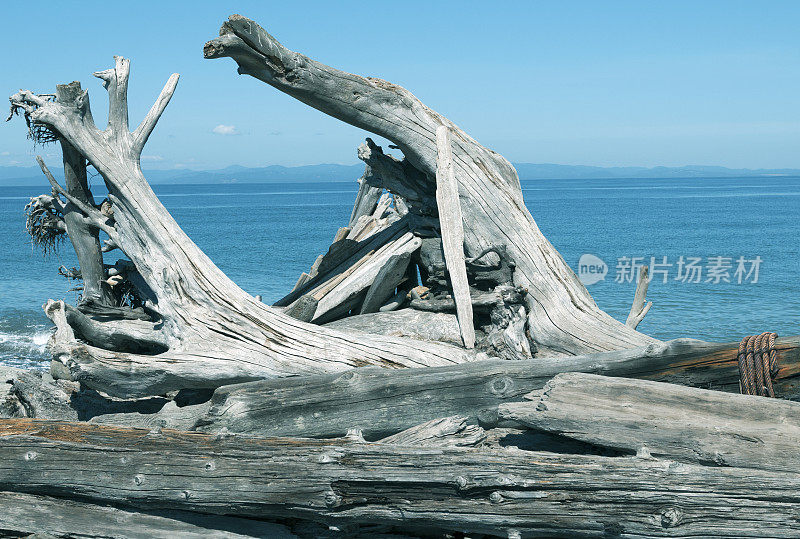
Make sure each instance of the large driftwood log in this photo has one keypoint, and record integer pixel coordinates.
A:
(682, 423)
(212, 329)
(417, 489)
(561, 315)
(382, 402)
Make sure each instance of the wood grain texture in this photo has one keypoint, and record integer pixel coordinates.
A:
(441, 489)
(382, 402)
(640, 305)
(47, 516)
(683, 423)
(451, 223)
(561, 315)
(385, 282)
(444, 432)
(213, 331)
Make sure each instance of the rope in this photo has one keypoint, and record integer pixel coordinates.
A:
(758, 364)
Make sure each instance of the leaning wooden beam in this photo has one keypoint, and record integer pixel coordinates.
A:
(640, 305)
(383, 402)
(385, 282)
(684, 423)
(440, 489)
(452, 227)
(340, 258)
(358, 278)
(366, 199)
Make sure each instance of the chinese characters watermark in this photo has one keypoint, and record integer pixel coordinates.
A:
(686, 269)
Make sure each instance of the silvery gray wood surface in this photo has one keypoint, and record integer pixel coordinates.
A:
(24, 514)
(561, 314)
(358, 279)
(34, 394)
(640, 305)
(382, 402)
(385, 282)
(170, 416)
(683, 423)
(366, 199)
(215, 332)
(84, 238)
(445, 432)
(451, 223)
(417, 489)
(421, 325)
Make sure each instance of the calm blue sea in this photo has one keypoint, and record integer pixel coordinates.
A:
(264, 235)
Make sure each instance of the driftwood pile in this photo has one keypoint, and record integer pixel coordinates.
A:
(439, 371)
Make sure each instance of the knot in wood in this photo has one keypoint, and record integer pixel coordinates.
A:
(186, 494)
(332, 499)
(495, 497)
(671, 517)
(31, 455)
(210, 465)
(501, 386)
(350, 376)
(325, 458)
(138, 479)
(461, 482)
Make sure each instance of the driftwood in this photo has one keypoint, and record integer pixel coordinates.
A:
(416, 489)
(447, 432)
(382, 402)
(214, 332)
(683, 423)
(640, 305)
(48, 516)
(413, 323)
(406, 428)
(385, 282)
(452, 226)
(559, 311)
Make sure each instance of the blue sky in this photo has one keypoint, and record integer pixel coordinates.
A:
(594, 83)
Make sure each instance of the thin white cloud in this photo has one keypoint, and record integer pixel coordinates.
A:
(5, 153)
(152, 158)
(222, 129)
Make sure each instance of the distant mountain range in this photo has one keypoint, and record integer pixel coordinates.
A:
(323, 173)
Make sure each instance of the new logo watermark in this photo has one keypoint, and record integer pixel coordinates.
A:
(686, 269)
(591, 269)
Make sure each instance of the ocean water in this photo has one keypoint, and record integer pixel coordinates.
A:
(264, 235)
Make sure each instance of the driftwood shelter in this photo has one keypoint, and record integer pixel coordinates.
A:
(439, 371)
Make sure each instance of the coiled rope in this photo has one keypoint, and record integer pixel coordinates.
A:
(758, 364)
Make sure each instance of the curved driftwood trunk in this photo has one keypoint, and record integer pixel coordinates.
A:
(206, 327)
(196, 328)
(561, 314)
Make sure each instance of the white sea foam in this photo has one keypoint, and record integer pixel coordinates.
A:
(26, 350)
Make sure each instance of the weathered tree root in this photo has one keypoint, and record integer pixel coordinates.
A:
(207, 332)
